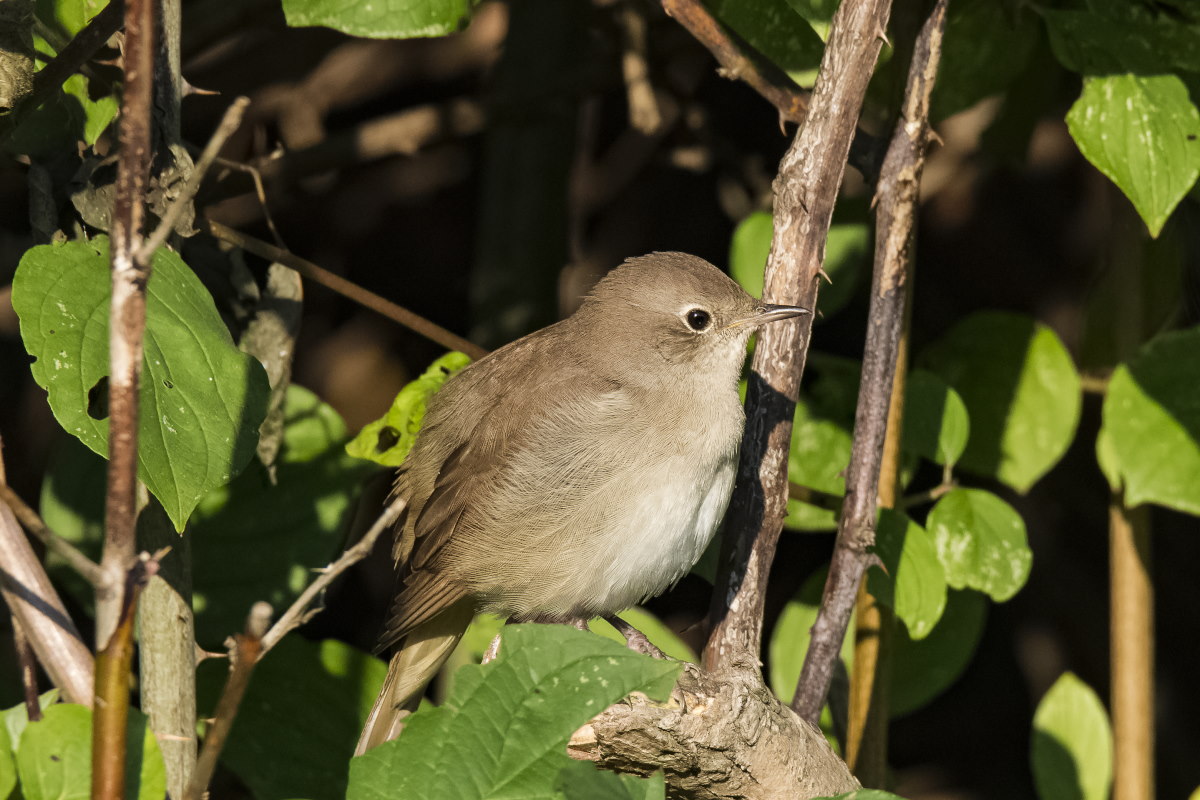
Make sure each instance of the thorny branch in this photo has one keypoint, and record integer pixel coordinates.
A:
(245, 652)
(299, 612)
(899, 187)
(127, 317)
(805, 192)
(346, 288)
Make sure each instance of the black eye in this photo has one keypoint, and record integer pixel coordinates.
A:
(698, 319)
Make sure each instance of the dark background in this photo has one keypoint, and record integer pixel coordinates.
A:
(496, 232)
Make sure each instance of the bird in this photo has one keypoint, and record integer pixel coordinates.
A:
(574, 472)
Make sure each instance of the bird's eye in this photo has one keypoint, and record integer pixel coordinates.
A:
(698, 319)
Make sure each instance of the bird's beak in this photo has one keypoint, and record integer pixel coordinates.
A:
(768, 312)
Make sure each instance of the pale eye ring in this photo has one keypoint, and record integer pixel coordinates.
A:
(698, 319)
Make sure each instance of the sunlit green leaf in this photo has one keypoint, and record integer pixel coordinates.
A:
(914, 584)
(387, 440)
(936, 424)
(503, 730)
(1143, 132)
(1071, 749)
(54, 757)
(981, 542)
(1020, 388)
(1151, 429)
(381, 19)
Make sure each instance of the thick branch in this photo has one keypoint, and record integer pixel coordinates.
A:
(127, 317)
(75, 54)
(805, 192)
(345, 288)
(68, 552)
(36, 606)
(899, 185)
(721, 735)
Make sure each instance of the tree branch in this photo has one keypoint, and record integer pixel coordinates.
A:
(33, 523)
(113, 664)
(719, 736)
(899, 186)
(127, 316)
(36, 606)
(298, 613)
(353, 291)
(245, 653)
(75, 54)
(805, 192)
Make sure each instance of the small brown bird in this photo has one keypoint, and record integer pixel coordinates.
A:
(574, 472)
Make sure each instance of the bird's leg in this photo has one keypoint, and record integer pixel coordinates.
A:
(492, 651)
(635, 639)
(581, 623)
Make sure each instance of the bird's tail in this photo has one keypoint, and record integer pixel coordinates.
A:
(420, 655)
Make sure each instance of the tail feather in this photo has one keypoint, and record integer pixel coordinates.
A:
(420, 655)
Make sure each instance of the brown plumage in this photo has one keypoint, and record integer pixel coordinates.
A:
(574, 472)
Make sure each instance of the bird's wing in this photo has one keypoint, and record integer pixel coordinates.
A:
(472, 428)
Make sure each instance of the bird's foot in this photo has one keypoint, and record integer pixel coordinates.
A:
(635, 639)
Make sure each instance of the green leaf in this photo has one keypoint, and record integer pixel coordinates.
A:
(202, 400)
(8, 764)
(16, 718)
(773, 28)
(819, 453)
(1021, 391)
(1071, 749)
(582, 780)
(914, 585)
(791, 635)
(987, 44)
(387, 440)
(256, 541)
(1143, 133)
(1151, 426)
(981, 543)
(923, 669)
(381, 19)
(503, 730)
(936, 424)
(1114, 40)
(847, 250)
(54, 757)
(298, 724)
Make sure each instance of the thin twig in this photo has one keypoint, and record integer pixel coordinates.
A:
(929, 495)
(299, 612)
(805, 192)
(1093, 383)
(346, 288)
(113, 664)
(68, 552)
(1131, 620)
(245, 653)
(229, 124)
(259, 191)
(27, 663)
(127, 316)
(899, 187)
(734, 55)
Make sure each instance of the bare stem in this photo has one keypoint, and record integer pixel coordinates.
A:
(899, 186)
(228, 125)
(245, 653)
(346, 288)
(299, 612)
(1132, 656)
(805, 192)
(127, 317)
(111, 710)
(27, 663)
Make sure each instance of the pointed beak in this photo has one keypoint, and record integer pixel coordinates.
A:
(769, 312)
